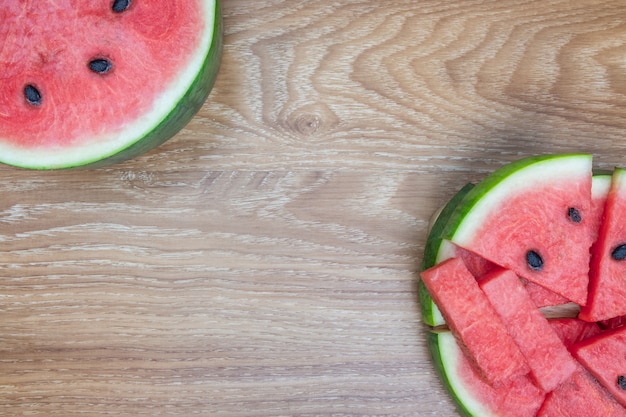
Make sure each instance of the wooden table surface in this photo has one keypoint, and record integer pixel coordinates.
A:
(264, 261)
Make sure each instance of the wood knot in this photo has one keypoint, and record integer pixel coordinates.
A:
(307, 124)
(311, 120)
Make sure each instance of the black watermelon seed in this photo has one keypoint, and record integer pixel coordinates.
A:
(621, 381)
(32, 94)
(534, 260)
(574, 215)
(100, 65)
(619, 253)
(120, 5)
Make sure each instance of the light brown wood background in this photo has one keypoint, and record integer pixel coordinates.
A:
(264, 261)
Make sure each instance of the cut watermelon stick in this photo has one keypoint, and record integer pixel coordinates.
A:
(473, 396)
(607, 285)
(531, 217)
(474, 321)
(581, 396)
(605, 357)
(549, 361)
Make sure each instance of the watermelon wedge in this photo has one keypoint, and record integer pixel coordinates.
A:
(91, 82)
(531, 217)
(607, 288)
(604, 356)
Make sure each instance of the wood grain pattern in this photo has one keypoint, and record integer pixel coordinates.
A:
(263, 262)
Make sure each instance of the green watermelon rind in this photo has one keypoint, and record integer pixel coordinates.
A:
(434, 244)
(445, 353)
(171, 123)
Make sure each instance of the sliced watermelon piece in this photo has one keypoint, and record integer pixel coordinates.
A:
(607, 286)
(599, 189)
(531, 216)
(474, 321)
(519, 397)
(605, 357)
(549, 361)
(580, 396)
(91, 82)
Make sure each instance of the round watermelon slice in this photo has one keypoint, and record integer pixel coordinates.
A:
(92, 82)
(563, 203)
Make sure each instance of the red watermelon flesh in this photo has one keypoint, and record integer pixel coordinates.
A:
(525, 214)
(581, 396)
(607, 286)
(549, 361)
(605, 357)
(473, 321)
(571, 330)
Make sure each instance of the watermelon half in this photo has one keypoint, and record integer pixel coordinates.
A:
(554, 206)
(92, 82)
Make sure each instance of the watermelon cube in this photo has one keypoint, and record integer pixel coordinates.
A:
(604, 356)
(549, 361)
(607, 275)
(474, 321)
(580, 396)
